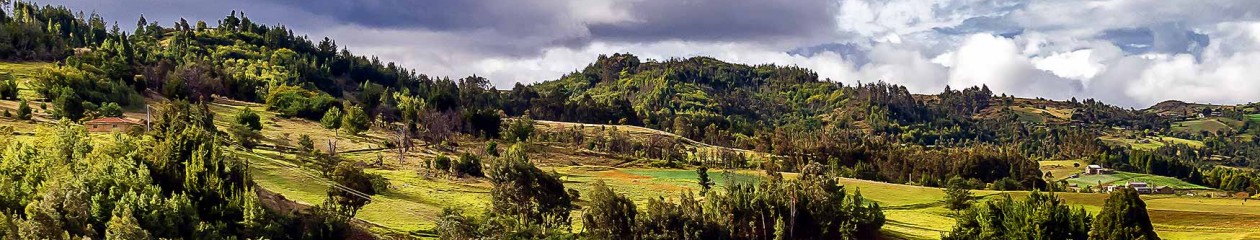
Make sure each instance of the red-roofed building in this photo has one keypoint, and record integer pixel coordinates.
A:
(112, 124)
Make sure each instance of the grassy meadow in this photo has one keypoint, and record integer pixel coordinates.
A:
(415, 198)
(1120, 178)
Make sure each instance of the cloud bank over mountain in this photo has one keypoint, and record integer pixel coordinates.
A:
(1132, 53)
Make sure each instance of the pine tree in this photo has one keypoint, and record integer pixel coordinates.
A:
(124, 226)
(704, 181)
(1123, 217)
(355, 120)
(306, 144)
(957, 196)
(332, 119)
(24, 111)
(110, 109)
(248, 118)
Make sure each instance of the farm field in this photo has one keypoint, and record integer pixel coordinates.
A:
(1125, 177)
(1207, 124)
(1042, 116)
(1151, 143)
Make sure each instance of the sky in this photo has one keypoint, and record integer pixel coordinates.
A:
(1131, 53)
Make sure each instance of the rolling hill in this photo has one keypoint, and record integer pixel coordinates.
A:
(260, 133)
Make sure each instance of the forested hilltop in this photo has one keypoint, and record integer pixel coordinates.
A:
(183, 176)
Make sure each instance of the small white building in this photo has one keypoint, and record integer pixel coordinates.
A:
(1097, 169)
(1092, 169)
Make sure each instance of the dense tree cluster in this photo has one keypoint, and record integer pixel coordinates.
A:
(239, 59)
(1046, 216)
(1040, 216)
(1124, 216)
(1183, 162)
(529, 203)
(957, 194)
(31, 32)
(177, 181)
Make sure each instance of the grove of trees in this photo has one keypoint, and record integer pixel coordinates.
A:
(177, 181)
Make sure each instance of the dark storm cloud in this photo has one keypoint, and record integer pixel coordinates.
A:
(702, 20)
(440, 15)
(166, 12)
(544, 23)
(721, 20)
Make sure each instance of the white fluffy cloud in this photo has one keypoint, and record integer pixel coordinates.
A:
(1077, 64)
(997, 62)
(1224, 73)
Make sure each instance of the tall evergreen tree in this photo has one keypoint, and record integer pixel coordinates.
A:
(332, 118)
(1123, 217)
(702, 175)
(355, 120)
(957, 196)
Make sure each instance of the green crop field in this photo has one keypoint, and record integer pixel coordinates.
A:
(1125, 177)
(643, 184)
(1207, 124)
(688, 177)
